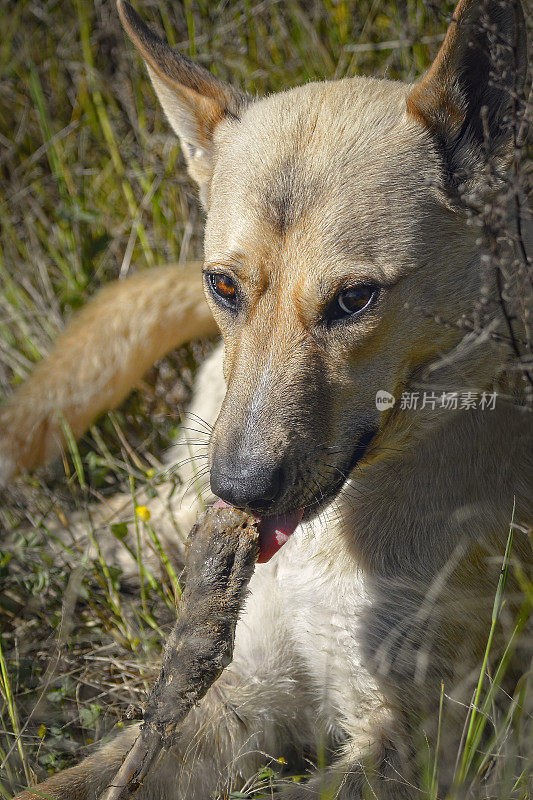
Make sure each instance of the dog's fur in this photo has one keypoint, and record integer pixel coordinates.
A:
(352, 628)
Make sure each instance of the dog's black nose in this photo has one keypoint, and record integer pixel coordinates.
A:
(252, 484)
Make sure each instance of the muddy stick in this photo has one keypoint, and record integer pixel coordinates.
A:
(220, 559)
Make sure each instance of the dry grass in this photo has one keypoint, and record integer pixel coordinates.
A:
(92, 187)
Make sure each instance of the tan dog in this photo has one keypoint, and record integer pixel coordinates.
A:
(336, 243)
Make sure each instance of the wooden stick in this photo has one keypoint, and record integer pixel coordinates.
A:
(221, 554)
(132, 766)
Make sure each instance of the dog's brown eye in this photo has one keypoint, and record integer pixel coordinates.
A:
(352, 301)
(224, 288)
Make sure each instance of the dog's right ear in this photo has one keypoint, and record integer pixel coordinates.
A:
(469, 100)
(193, 100)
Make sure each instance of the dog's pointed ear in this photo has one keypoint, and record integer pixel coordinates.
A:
(193, 100)
(466, 99)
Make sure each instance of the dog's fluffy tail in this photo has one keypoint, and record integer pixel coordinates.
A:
(98, 360)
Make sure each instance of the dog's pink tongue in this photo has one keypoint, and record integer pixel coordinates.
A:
(273, 531)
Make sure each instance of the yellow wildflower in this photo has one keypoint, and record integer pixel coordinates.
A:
(143, 513)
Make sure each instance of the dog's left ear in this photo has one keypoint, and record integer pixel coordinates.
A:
(193, 100)
(466, 99)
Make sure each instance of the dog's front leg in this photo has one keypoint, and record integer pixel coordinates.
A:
(385, 771)
(221, 745)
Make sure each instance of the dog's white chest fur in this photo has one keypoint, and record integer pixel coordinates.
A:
(314, 622)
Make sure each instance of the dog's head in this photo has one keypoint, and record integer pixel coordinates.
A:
(335, 245)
